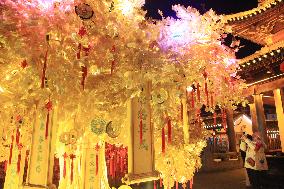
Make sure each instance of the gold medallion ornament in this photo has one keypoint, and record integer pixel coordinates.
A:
(69, 137)
(112, 130)
(98, 126)
(160, 96)
(84, 11)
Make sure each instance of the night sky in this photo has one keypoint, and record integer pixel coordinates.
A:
(219, 6)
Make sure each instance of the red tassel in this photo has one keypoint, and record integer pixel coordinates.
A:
(155, 187)
(64, 167)
(163, 140)
(72, 156)
(191, 183)
(19, 162)
(97, 164)
(215, 119)
(212, 100)
(79, 51)
(44, 70)
(198, 92)
(46, 125)
(48, 106)
(206, 93)
(141, 129)
(192, 99)
(5, 165)
(18, 134)
(161, 182)
(84, 75)
(11, 150)
(169, 131)
(176, 184)
(181, 110)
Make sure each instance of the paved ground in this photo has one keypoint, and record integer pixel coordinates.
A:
(232, 179)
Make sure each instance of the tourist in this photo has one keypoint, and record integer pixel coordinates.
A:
(243, 149)
(255, 161)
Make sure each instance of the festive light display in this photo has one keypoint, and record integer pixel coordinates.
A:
(74, 65)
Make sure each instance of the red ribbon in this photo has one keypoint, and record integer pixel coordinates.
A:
(48, 106)
(97, 164)
(169, 131)
(5, 165)
(163, 140)
(84, 75)
(11, 150)
(191, 183)
(141, 129)
(111, 166)
(112, 67)
(198, 92)
(212, 100)
(64, 167)
(206, 93)
(72, 157)
(79, 51)
(181, 110)
(44, 70)
(192, 99)
(19, 162)
(155, 187)
(18, 134)
(161, 182)
(176, 184)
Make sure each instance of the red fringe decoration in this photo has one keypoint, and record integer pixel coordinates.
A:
(79, 51)
(181, 110)
(169, 131)
(11, 150)
(111, 166)
(44, 70)
(48, 106)
(18, 134)
(64, 167)
(163, 140)
(141, 129)
(19, 162)
(84, 75)
(192, 99)
(5, 165)
(198, 92)
(176, 184)
(155, 187)
(72, 157)
(97, 164)
(215, 119)
(161, 182)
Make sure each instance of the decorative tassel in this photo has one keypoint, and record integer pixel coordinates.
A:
(97, 164)
(18, 134)
(192, 99)
(11, 150)
(141, 129)
(79, 51)
(212, 100)
(191, 183)
(198, 92)
(155, 186)
(215, 119)
(44, 70)
(64, 167)
(176, 184)
(84, 75)
(5, 165)
(72, 157)
(163, 140)
(206, 93)
(48, 106)
(111, 166)
(169, 131)
(181, 110)
(19, 162)
(161, 182)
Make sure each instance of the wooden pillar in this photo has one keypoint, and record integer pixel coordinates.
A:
(231, 130)
(279, 104)
(258, 117)
(253, 117)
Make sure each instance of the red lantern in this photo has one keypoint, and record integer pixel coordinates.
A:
(282, 67)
